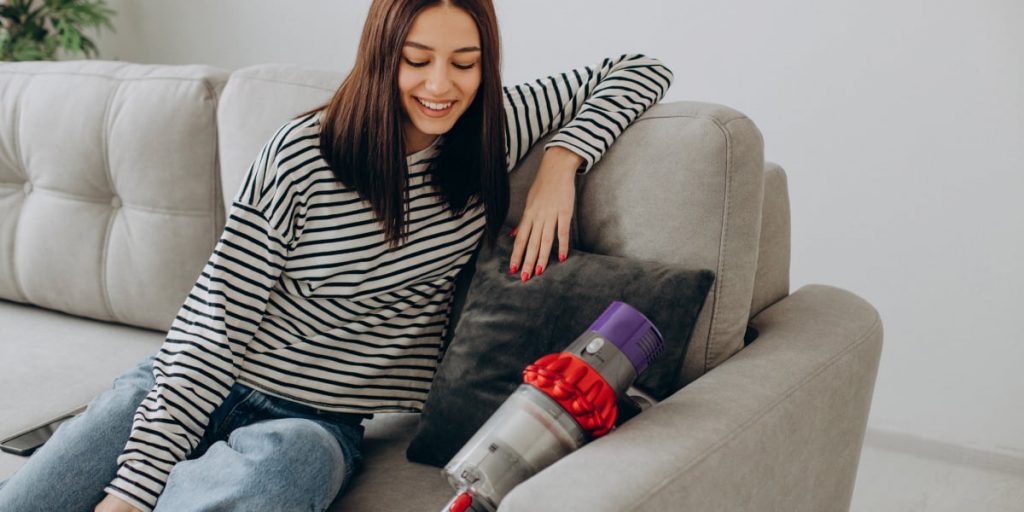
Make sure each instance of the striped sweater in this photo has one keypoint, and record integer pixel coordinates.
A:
(303, 300)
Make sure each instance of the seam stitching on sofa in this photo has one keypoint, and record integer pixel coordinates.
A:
(85, 199)
(647, 117)
(282, 82)
(726, 210)
(677, 116)
(713, 321)
(108, 77)
(220, 207)
(105, 249)
(741, 118)
(18, 289)
(712, 353)
(742, 428)
(217, 187)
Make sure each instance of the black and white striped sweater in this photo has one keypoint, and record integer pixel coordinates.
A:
(301, 298)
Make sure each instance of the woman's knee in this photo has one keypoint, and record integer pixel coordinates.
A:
(279, 464)
(289, 440)
(300, 451)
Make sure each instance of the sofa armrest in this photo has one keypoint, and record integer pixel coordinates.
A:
(779, 426)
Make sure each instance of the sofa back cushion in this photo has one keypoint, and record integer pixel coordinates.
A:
(682, 185)
(109, 186)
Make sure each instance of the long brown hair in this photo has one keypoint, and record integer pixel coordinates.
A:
(361, 135)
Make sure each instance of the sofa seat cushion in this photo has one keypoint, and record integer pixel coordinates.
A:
(389, 483)
(52, 363)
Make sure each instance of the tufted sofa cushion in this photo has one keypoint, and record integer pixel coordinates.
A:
(109, 186)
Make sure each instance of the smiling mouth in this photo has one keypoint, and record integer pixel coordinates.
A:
(437, 107)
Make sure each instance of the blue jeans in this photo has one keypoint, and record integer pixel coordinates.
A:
(258, 453)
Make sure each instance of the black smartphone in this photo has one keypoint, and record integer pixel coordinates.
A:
(25, 442)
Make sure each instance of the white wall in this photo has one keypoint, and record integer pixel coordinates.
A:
(900, 124)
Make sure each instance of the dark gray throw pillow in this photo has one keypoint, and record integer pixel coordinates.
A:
(507, 324)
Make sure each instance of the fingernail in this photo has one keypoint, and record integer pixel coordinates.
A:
(513, 232)
(526, 276)
(512, 269)
(561, 257)
(539, 270)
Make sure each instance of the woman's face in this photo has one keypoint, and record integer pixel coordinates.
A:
(439, 73)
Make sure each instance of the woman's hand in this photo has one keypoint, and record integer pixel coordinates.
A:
(114, 504)
(549, 208)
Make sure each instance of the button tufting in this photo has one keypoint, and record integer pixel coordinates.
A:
(28, 187)
(115, 202)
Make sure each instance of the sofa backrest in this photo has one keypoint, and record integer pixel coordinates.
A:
(683, 184)
(109, 186)
(131, 165)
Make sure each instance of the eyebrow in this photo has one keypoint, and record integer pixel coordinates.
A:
(425, 47)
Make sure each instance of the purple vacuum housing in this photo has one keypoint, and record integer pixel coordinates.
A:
(631, 332)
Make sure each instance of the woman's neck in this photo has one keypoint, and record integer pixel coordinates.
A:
(413, 146)
(416, 141)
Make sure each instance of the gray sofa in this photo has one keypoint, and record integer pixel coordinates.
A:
(113, 180)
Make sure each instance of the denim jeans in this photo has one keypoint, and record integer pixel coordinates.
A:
(258, 453)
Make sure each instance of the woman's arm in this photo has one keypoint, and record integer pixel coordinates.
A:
(590, 107)
(199, 360)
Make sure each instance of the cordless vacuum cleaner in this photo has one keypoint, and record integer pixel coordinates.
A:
(566, 400)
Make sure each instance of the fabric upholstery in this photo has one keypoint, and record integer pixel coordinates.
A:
(109, 185)
(389, 483)
(508, 324)
(746, 436)
(52, 363)
(771, 281)
(682, 185)
(256, 102)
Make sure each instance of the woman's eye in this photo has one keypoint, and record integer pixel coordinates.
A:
(424, 63)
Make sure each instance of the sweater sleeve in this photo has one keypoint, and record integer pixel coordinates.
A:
(200, 358)
(589, 106)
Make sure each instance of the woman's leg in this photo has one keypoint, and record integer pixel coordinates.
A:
(70, 471)
(282, 465)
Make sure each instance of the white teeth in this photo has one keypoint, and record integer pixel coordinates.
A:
(434, 106)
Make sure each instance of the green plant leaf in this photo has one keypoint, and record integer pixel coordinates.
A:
(9, 11)
(5, 46)
(31, 50)
(89, 47)
(31, 30)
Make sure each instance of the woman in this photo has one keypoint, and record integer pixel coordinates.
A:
(326, 298)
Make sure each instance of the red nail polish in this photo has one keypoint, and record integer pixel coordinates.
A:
(561, 257)
(526, 276)
(513, 232)
(539, 270)
(512, 269)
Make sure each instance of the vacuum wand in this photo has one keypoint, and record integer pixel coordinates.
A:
(566, 400)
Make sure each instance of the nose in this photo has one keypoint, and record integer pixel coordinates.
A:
(438, 80)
